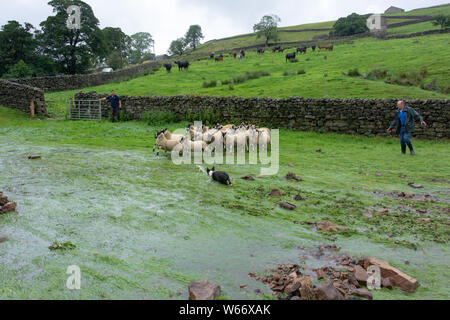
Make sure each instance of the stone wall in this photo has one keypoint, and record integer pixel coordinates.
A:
(17, 96)
(72, 82)
(349, 116)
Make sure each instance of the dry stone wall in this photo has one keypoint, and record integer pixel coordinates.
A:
(349, 116)
(17, 96)
(72, 82)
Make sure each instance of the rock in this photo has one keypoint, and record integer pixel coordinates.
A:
(249, 178)
(293, 287)
(387, 283)
(352, 280)
(415, 185)
(258, 292)
(9, 207)
(243, 286)
(259, 176)
(360, 275)
(298, 197)
(287, 205)
(363, 293)
(295, 298)
(293, 176)
(290, 165)
(378, 174)
(399, 279)
(3, 200)
(203, 290)
(383, 210)
(306, 289)
(3, 239)
(33, 157)
(327, 226)
(275, 193)
(327, 291)
(321, 274)
(425, 219)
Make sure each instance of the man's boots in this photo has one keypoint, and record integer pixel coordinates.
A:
(403, 148)
(411, 149)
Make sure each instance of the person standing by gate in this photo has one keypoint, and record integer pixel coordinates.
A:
(404, 123)
(116, 104)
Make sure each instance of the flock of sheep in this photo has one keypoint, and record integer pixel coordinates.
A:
(199, 138)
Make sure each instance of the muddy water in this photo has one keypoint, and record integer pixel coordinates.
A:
(141, 229)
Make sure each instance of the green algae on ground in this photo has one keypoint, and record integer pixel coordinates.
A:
(144, 227)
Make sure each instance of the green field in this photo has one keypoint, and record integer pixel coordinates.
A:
(144, 227)
(324, 77)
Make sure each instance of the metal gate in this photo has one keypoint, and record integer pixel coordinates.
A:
(85, 110)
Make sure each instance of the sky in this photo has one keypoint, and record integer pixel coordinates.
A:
(167, 20)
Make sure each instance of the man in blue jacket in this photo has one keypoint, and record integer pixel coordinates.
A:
(404, 122)
(116, 104)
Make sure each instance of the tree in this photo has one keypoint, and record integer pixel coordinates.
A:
(72, 50)
(16, 44)
(141, 47)
(267, 28)
(115, 40)
(350, 25)
(19, 70)
(114, 60)
(177, 46)
(193, 36)
(443, 21)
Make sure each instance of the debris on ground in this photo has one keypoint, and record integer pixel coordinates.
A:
(287, 205)
(56, 245)
(293, 176)
(364, 173)
(415, 185)
(275, 193)
(259, 176)
(203, 290)
(298, 197)
(6, 205)
(34, 157)
(248, 177)
(3, 239)
(319, 150)
(344, 278)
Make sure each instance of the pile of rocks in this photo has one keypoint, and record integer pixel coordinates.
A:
(6, 205)
(343, 281)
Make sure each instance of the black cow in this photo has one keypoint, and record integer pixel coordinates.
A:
(260, 51)
(168, 66)
(313, 47)
(182, 65)
(242, 53)
(302, 49)
(290, 56)
(211, 55)
(278, 49)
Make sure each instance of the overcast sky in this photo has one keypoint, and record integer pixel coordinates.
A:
(167, 20)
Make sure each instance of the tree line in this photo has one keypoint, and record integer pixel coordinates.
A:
(27, 51)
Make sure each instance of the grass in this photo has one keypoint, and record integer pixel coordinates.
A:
(144, 227)
(400, 55)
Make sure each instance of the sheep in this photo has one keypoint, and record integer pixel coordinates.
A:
(193, 145)
(170, 136)
(264, 138)
(163, 143)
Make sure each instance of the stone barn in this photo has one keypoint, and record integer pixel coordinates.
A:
(393, 9)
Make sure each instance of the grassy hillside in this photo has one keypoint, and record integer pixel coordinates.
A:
(250, 38)
(323, 77)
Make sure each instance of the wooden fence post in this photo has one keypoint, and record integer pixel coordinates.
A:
(32, 108)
